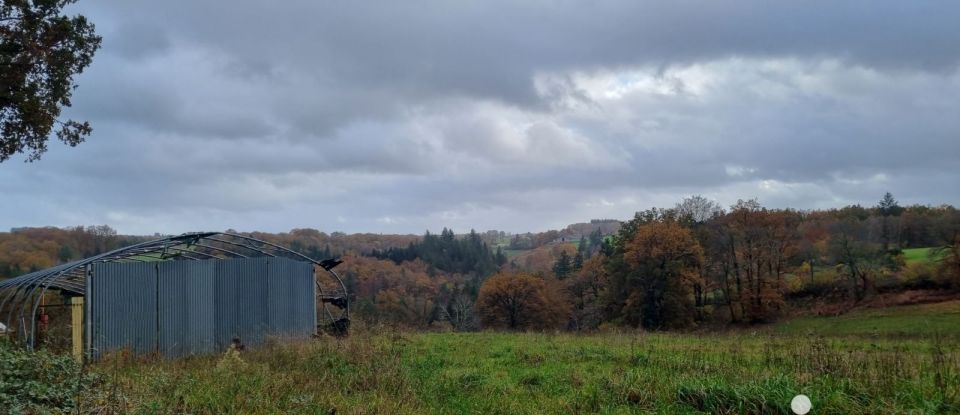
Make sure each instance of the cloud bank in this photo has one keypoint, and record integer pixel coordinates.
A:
(402, 116)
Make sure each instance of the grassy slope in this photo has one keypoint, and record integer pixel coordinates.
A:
(513, 253)
(519, 254)
(894, 369)
(913, 255)
(901, 321)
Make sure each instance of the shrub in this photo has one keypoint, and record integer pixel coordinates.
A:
(918, 275)
(40, 382)
(824, 282)
(794, 283)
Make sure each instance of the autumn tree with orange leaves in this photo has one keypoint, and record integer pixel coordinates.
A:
(755, 245)
(519, 301)
(586, 289)
(663, 259)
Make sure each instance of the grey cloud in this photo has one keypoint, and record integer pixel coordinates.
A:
(512, 115)
(491, 50)
(137, 40)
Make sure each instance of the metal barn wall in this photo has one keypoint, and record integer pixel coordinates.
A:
(180, 308)
(241, 307)
(123, 313)
(185, 290)
(292, 310)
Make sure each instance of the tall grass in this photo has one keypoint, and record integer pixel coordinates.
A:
(909, 322)
(625, 372)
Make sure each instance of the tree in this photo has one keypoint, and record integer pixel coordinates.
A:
(596, 240)
(578, 261)
(666, 259)
(500, 258)
(887, 207)
(519, 301)
(950, 251)
(40, 52)
(562, 267)
(585, 290)
(950, 264)
(460, 312)
(849, 247)
(65, 254)
(469, 255)
(697, 209)
(750, 248)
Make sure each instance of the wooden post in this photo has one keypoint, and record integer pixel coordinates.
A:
(76, 324)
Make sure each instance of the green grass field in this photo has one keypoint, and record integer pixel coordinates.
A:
(910, 321)
(913, 255)
(881, 361)
(513, 253)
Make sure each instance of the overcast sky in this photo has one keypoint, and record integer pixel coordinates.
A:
(399, 116)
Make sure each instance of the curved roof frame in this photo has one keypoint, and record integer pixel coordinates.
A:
(21, 297)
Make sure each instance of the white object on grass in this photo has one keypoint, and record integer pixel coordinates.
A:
(800, 404)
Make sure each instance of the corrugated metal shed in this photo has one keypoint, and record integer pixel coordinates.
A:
(21, 298)
(180, 308)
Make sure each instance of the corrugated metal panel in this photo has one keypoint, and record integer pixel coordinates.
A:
(291, 299)
(180, 308)
(279, 298)
(123, 308)
(226, 302)
(186, 292)
(241, 301)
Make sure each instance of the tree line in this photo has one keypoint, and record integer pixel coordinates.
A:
(690, 265)
(446, 252)
(24, 250)
(697, 263)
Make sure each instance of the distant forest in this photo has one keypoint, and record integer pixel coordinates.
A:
(696, 264)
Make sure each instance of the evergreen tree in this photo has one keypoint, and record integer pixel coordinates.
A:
(65, 254)
(469, 255)
(583, 248)
(578, 261)
(446, 235)
(501, 258)
(596, 240)
(563, 267)
(887, 207)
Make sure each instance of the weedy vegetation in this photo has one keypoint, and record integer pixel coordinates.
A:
(890, 368)
(887, 368)
(43, 382)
